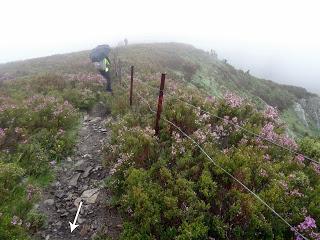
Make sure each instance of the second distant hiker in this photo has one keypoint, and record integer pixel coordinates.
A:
(99, 56)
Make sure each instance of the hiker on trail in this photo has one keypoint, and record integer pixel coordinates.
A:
(99, 56)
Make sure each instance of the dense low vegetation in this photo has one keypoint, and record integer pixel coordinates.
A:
(183, 63)
(165, 187)
(168, 189)
(206, 71)
(39, 116)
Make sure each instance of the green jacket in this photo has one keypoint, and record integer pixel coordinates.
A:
(105, 64)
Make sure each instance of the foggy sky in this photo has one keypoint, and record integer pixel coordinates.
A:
(277, 40)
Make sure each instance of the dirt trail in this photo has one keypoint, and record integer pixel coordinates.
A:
(80, 177)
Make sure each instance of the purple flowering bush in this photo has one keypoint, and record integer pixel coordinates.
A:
(167, 188)
(38, 125)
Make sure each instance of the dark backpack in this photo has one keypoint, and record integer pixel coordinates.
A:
(99, 53)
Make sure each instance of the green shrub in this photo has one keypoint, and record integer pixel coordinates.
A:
(175, 192)
(10, 176)
(32, 155)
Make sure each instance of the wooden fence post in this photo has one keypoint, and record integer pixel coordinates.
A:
(160, 100)
(131, 85)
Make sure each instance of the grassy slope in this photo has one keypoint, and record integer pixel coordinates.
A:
(185, 62)
(40, 130)
(181, 62)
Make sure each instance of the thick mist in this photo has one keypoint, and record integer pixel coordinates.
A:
(276, 40)
(300, 67)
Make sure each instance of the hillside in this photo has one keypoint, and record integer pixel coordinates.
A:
(299, 108)
(221, 167)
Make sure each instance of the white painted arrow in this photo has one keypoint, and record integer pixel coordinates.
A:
(73, 225)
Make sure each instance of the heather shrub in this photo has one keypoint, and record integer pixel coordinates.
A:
(10, 175)
(84, 100)
(33, 155)
(37, 131)
(175, 192)
(311, 147)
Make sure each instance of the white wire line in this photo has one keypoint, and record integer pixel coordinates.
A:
(242, 128)
(226, 172)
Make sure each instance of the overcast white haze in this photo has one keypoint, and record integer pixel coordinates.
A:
(277, 40)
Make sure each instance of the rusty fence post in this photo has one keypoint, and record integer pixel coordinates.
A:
(160, 100)
(131, 85)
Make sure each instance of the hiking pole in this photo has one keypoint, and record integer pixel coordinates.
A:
(160, 100)
(131, 85)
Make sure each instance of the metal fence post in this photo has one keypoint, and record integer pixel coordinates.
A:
(160, 100)
(131, 85)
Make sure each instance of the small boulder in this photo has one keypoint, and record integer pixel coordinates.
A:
(87, 172)
(74, 180)
(49, 202)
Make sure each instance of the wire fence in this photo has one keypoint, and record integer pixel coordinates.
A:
(223, 169)
(235, 125)
(156, 90)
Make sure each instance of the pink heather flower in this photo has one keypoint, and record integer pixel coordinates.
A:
(200, 136)
(266, 157)
(284, 184)
(16, 221)
(226, 119)
(176, 137)
(244, 141)
(173, 150)
(60, 132)
(295, 192)
(299, 158)
(315, 236)
(288, 142)
(316, 167)
(31, 191)
(268, 133)
(2, 133)
(263, 173)
(308, 223)
(220, 131)
(123, 157)
(149, 131)
(182, 150)
(18, 130)
(271, 113)
(233, 100)
(198, 111)
(234, 119)
(204, 117)
(307, 229)
(210, 99)
(53, 163)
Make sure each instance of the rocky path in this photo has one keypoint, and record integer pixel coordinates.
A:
(80, 178)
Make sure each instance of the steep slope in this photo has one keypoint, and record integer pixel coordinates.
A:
(300, 108)
(168, 186)
(216, 76)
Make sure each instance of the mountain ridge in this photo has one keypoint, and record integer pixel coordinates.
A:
(185, 62)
